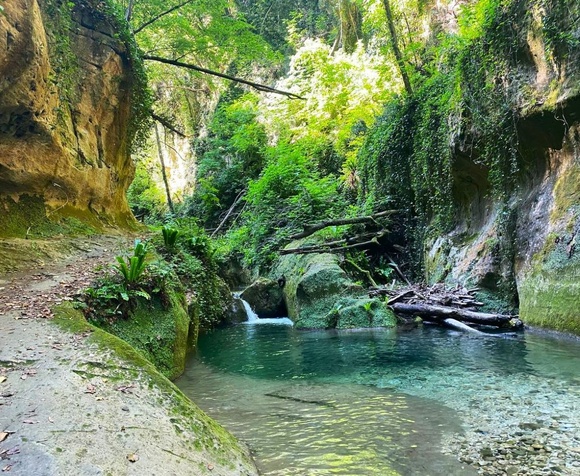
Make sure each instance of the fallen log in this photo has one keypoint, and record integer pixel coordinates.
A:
(438, 313)
(460, 326)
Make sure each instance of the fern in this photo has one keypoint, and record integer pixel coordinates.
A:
(133, 267)
(169, 236)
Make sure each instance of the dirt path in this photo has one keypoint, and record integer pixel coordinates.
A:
(69, 406)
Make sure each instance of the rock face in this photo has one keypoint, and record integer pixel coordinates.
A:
(542, 215)
(66, 92)
(266, 298)
(319, 294)
(236, 313)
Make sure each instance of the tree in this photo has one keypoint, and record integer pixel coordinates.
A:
(395, 46)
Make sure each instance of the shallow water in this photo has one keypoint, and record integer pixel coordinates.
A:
(381, 402)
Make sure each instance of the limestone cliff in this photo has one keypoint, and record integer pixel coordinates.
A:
(528, 240)
(67, 94)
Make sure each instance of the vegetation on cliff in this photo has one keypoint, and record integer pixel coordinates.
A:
(428, 111)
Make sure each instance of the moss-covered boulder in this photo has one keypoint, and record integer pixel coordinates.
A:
(319, 294)
(158, 330)
(266, 298)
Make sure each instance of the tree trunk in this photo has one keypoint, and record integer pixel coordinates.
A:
(163, 171)
(395, 46)
(438, 313)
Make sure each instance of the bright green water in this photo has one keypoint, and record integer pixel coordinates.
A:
(377, 402)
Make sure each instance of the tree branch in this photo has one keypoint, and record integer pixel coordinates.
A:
(165, 123)
(257, 86)
(325, 248)
(231, 209)
(313, 228)
(161, 15)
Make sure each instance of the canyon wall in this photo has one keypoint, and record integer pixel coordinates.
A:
(67, 94)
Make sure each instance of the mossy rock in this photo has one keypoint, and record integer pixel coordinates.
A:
(319, 295)
(266, 298)
(28, 217)
(158, 331)
(550, 292)
(236, 314)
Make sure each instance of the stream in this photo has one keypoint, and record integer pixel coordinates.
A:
(425, 401)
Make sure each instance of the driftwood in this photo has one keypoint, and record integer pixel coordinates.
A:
(453, 307)
(444, 312)
(313, 228)
(460, 326)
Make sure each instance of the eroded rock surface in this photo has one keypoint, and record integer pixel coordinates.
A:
(66, 92)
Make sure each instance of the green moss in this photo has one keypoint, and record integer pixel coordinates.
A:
(28, 218)
(566, 193)
(552, 300)
(159, 332)
(550, 292)
(319, 295)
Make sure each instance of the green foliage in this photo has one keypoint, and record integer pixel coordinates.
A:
(303, 18)
(133, 268)
(230, 156)
(289, 193)
(169, 236)
(466, 108)
(146, 198)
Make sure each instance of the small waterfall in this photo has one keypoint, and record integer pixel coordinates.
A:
(252, 316)
(254, 319)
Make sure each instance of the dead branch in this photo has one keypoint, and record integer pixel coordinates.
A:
(400, 296)
(366, 272)
(337, 249)
(437, 313)
(313, 228)
(395, 266)
(157, 17)
(257, 86)
(231, 209)
(338, 246)
(165, 123)
(460, 326)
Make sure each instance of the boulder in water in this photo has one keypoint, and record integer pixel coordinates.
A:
(266, 298)
(320, 295)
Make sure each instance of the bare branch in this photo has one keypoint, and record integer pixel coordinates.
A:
(257, 86)
(313, 228)
(165, 123)
(161, 15)
(231, 209)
